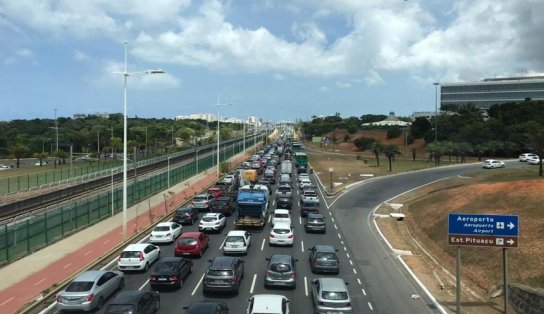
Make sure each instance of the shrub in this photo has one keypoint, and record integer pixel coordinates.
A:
(393, 132)
(363, 143)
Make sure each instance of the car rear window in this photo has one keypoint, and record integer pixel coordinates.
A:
(310, 205)
(326, 256)
(220, 272)
(334, 295)
(281, 215)
(221, 202)
(281, 231)
(235, 239)
(284, 189)
(280, 268)
(79, 286)
(208, 219)
(130, 254)
(121, 308)
(162, 228)
(166, 267)
(187, 241)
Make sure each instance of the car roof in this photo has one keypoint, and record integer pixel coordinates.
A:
(90, 275)
(170, 259)
(202, 195)
(267, 303)
(333, 284)
(281, 211)
(236, 233)
(314, 215)
(127, 297)
(220, 262)
(191, 234)
(282, 225)
(182, 209)
(214, 215)
(165, 224)
(136, 247)
(324, 248)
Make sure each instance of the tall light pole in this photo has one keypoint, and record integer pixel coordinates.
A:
(435, 111)
(125, 75)
(98, 149)
(244, 137)
(57, 130)
(219, 104)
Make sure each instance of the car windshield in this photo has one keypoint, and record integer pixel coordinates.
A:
(284, 189)
(120, 308)
(166, 267)
(281, 230)
(220, 272)
(130, 254)
(325, 256)
(334, 295)
(221, 202)
(280, 268)
(79, 286)
(235, 239)
(310, 205)
(209, 219)
(187, 241)
(281, 215)
(184, 211)
(200, 199)
(161, 228)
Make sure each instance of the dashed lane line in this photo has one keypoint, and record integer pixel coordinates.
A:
(306, 285)
(7, 301)
(364, 292)
(370, 306)
(253, 283)
(198, 284)
(302, 246)
(262, 244)
(87, 253)
(67, 265)
(143, 286)
(39, 282)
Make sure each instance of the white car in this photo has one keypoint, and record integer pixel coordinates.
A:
(268, 303)
(165, 232)
(305, 183)
(212, 222)
(492, 164)
(281, 216)
(303, 176)
(228, 178)
(281, 234)
(237, 242)
(525, 156)
(4, 167)
(43, 163)
(138, 257)
(533, 160)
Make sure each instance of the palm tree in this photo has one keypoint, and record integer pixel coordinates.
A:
(437, 150)
(19, 151)
(463, 149)
(390, 151)
(377, 148)
(61, 154)
(41, 157)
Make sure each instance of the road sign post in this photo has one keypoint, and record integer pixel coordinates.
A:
(482, 230)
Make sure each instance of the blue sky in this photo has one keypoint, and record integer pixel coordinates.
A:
(276, 59)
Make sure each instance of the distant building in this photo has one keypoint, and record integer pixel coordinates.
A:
(423, 114)
(492, 91)
(102, 115)
(391, 120)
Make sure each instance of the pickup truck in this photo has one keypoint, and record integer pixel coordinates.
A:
(284, 191)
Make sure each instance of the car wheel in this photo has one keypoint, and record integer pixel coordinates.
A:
(180, 284)
(157, 305)
(121, 284)
(201, 252)
(146, 267)
(100, 303)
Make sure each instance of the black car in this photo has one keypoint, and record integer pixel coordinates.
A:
(134, 302)
(185, 215)
(302, 169)
(315, 223)
(223, 205)
(309, 206)
(323, 259)
(225, 273)
(170, 272)
(207, 307)
(284, 202)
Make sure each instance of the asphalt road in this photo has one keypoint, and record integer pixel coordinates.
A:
(376, 281)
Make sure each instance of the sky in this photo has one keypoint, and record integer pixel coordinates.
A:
(280, 60)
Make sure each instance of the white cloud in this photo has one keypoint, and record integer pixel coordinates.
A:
(324, 88)
(343, 84)
(25, 53)
(80, 56)
(373, 78)
(278, 76)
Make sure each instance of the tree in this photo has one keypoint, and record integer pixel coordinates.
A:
(19, 151)
(363, 143)
(62, 155)
(390, 151)
(436, 149)
(377, 148)
(41, 157)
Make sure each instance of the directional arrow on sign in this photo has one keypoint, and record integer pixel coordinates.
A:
(511, 226)
(510, 242)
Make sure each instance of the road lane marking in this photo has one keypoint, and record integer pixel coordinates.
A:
(359, 280)
(345, 249)
(269, 218)
(198, 284)
(88, 252)
(300, 220)
(39, 282)
(370, 306)
(354, 271)
(350, 262)
(7, 301)
(143, 286)
(339, 236)
(335, 227)
(332, 219)
(262, 245)
(364, 292)
(223, 243)
(302, 246)
(67, 265)
(347, 254)
(273, 202)
(342, 242)
(305, 285)
(253, 283)
(106, 242)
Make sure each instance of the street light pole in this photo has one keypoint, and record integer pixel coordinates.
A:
(219, 104)
(57, 130)
(435, 111)
(126, 74)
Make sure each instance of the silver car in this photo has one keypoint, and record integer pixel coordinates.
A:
(330, 295)
(89, 290)
(280, 272)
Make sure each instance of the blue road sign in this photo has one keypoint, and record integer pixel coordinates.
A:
(484, 225)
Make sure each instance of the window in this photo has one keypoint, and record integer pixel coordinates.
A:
(79, 286)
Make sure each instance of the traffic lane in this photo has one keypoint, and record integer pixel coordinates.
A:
(390, 288)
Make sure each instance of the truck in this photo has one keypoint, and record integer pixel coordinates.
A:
(301, 159)
(250, 175)
(286, 167)
(252, 206)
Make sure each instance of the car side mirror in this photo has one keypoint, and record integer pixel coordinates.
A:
(335, 250)
(296, 259)
(268, 259)
(209, 261)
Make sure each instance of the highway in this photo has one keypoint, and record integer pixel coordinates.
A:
(376, 281)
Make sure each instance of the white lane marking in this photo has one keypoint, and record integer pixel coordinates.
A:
(335, 227)
(370, 306)
(339, 236)
(332, 219)
(302, 246)
(306, 285)
(106, 242)
(87, 253)
(354, 271)
(198, 284)
(269, 218)
(253, 283)
(342, 242)
(300, 220)
(347, 254)
(359, 281)
(350, 262)
(364, 292)
(7, 301)
(262, 245)
(345, 249)
(143, 286)
(273, 202)
(67, 265)
(223, 243)
(39, 282)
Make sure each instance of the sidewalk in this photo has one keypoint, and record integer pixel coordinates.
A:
(25, 280)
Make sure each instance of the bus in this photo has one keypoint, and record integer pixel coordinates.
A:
(296, 147)
(301, 159)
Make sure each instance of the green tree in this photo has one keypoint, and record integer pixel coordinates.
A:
(19, 151)
(377, 148)
(390, 151)
(40, 156)
(363, 143)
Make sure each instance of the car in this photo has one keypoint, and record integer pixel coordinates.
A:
(202, 202)
(330, 295)
(229, 178)
(533, 160)
(281, 234)
(224, 273)
(212, 222)
(237, 242)
(217, 191)
(207, 307)
(134, 302)
(284, 190)
(284, 202)
(302, 169)
(185, 215)
(138, 257)
(165, 232)
(315, 223)
(264, 181)
(323, 258)
(492, 164)
(280, 271)
(170, 272)
(309, 194)
(308, 206)
(285, 179)
(281, 216)
(305, 183)
(525, 156)
(223, 205)
(268, 303)
(42, 163)
(89, 290)
(191, 244)
(4, 167)
(302, 176)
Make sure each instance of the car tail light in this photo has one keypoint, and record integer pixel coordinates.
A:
(173, 278)
(320, 303)
(232, 280)
(291, 235)
(293, 274)
(348, 304)
(89, 298)
(120, 256)
(141, 256)
(152, 278)
(217, 222)
(271, 235)
(59, 298)
(267, 274)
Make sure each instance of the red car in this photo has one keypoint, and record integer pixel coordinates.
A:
(191, 243)
(216, 191)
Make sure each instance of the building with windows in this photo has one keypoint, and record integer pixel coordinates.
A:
(490, 91)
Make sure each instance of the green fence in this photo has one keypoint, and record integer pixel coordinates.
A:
(25, 236)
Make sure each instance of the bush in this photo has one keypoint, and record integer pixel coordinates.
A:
(346, 138)
(393, 132)
(363, 143)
